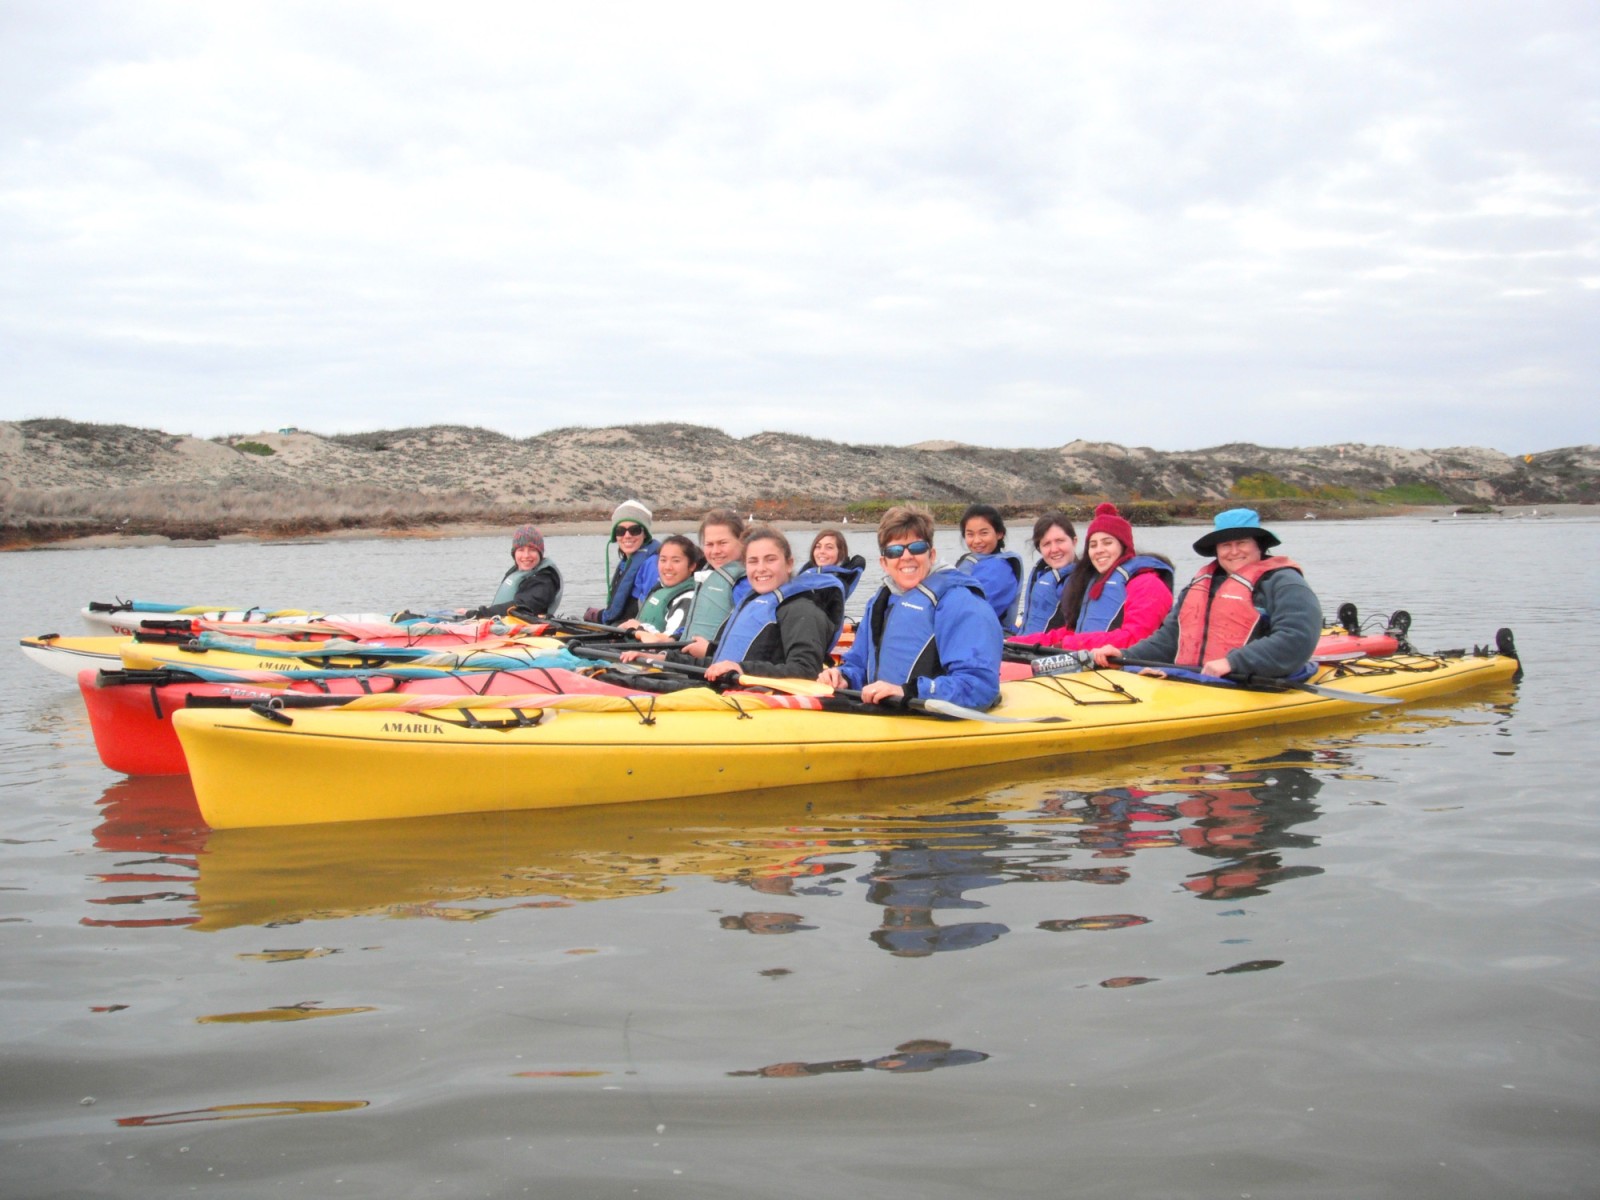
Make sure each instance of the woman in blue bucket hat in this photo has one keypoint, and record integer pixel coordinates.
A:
(1246, 613)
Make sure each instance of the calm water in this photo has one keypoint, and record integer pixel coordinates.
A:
(1349, 960)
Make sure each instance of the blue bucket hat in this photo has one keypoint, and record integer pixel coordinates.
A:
(1234, 523)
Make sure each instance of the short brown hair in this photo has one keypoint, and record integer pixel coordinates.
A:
(903, 519)
(766, 533)
(725, 517)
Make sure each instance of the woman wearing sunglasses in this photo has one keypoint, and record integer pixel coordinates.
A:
(635, 576)
(929, 633)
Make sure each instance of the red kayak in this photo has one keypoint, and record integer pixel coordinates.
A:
(130, 712)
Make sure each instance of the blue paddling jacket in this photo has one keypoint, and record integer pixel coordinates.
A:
(633, 580)
(1045, 585)
(1000, 576)
(939, 641)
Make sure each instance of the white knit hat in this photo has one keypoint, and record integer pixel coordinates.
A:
(631, 510)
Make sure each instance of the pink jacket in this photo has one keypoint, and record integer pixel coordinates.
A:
(1149, 601)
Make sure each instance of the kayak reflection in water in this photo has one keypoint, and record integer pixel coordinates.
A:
(766, 922)
(1242, 815)
(919, 876)
(920, 1054)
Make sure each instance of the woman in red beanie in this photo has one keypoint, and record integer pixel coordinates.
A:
(1115, 596)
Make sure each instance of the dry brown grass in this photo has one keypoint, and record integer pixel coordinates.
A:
(33, 516)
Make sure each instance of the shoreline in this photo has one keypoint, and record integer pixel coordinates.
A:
(580, 528)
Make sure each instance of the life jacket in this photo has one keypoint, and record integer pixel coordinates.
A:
(512, 583)
(755, 622)
(1213, 621)
(979, 566)
(902, 626)
(848, 572)
(1041, 610)
(620, 590)
(716, 591)
(1096, 615)
(653, 612)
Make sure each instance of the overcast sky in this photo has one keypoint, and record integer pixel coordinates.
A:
(1012, 224)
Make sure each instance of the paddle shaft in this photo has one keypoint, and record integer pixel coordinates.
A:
(1256, 683)
(810, 687)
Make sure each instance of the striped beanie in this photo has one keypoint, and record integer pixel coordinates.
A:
(528, 535)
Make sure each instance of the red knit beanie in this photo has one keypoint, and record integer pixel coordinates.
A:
(1108, 520)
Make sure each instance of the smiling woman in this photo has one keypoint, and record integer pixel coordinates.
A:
(636, 574)
(1114, 596)
(929, 633)
(783, 627)
(1245, 613)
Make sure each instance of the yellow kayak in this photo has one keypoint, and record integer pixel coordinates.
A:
(257, 767)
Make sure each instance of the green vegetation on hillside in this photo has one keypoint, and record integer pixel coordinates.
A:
(1411, 493)
(1264, 486)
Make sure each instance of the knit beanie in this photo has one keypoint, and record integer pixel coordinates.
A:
(1108, 520)
(528, 535)
(631, 510)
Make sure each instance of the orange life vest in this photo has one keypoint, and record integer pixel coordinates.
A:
(1212, 622)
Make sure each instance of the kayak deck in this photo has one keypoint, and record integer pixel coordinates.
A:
(252, 769)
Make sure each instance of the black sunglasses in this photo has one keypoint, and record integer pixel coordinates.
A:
(917, 547)
(630, 530)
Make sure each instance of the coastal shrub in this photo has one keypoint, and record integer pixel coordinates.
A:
(1411, 493)
(1338, 495)
(1264, 486)
(260, 448)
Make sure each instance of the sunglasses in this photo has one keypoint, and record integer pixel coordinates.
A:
(917, 547)
(630, 530)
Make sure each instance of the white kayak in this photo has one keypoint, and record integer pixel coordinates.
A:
(127, 617)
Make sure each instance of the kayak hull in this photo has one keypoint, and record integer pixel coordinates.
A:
(131, 717)
(330, 766)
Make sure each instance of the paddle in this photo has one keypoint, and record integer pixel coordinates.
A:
(810, 687)
(579, 626)
(1255, 683)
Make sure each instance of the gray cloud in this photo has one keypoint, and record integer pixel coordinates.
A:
(1143, 223)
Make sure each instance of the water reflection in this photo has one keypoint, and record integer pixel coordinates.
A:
(919, 1054)
(932, 872)
(304, 1011)
(154, 819)
(1240, 814)
(928, 854)
(238, 1112)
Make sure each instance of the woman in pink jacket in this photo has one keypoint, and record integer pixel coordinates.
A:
(1115, 596)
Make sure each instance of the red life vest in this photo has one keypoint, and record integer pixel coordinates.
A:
(1213, 622)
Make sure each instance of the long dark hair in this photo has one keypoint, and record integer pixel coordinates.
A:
(1083, 578)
